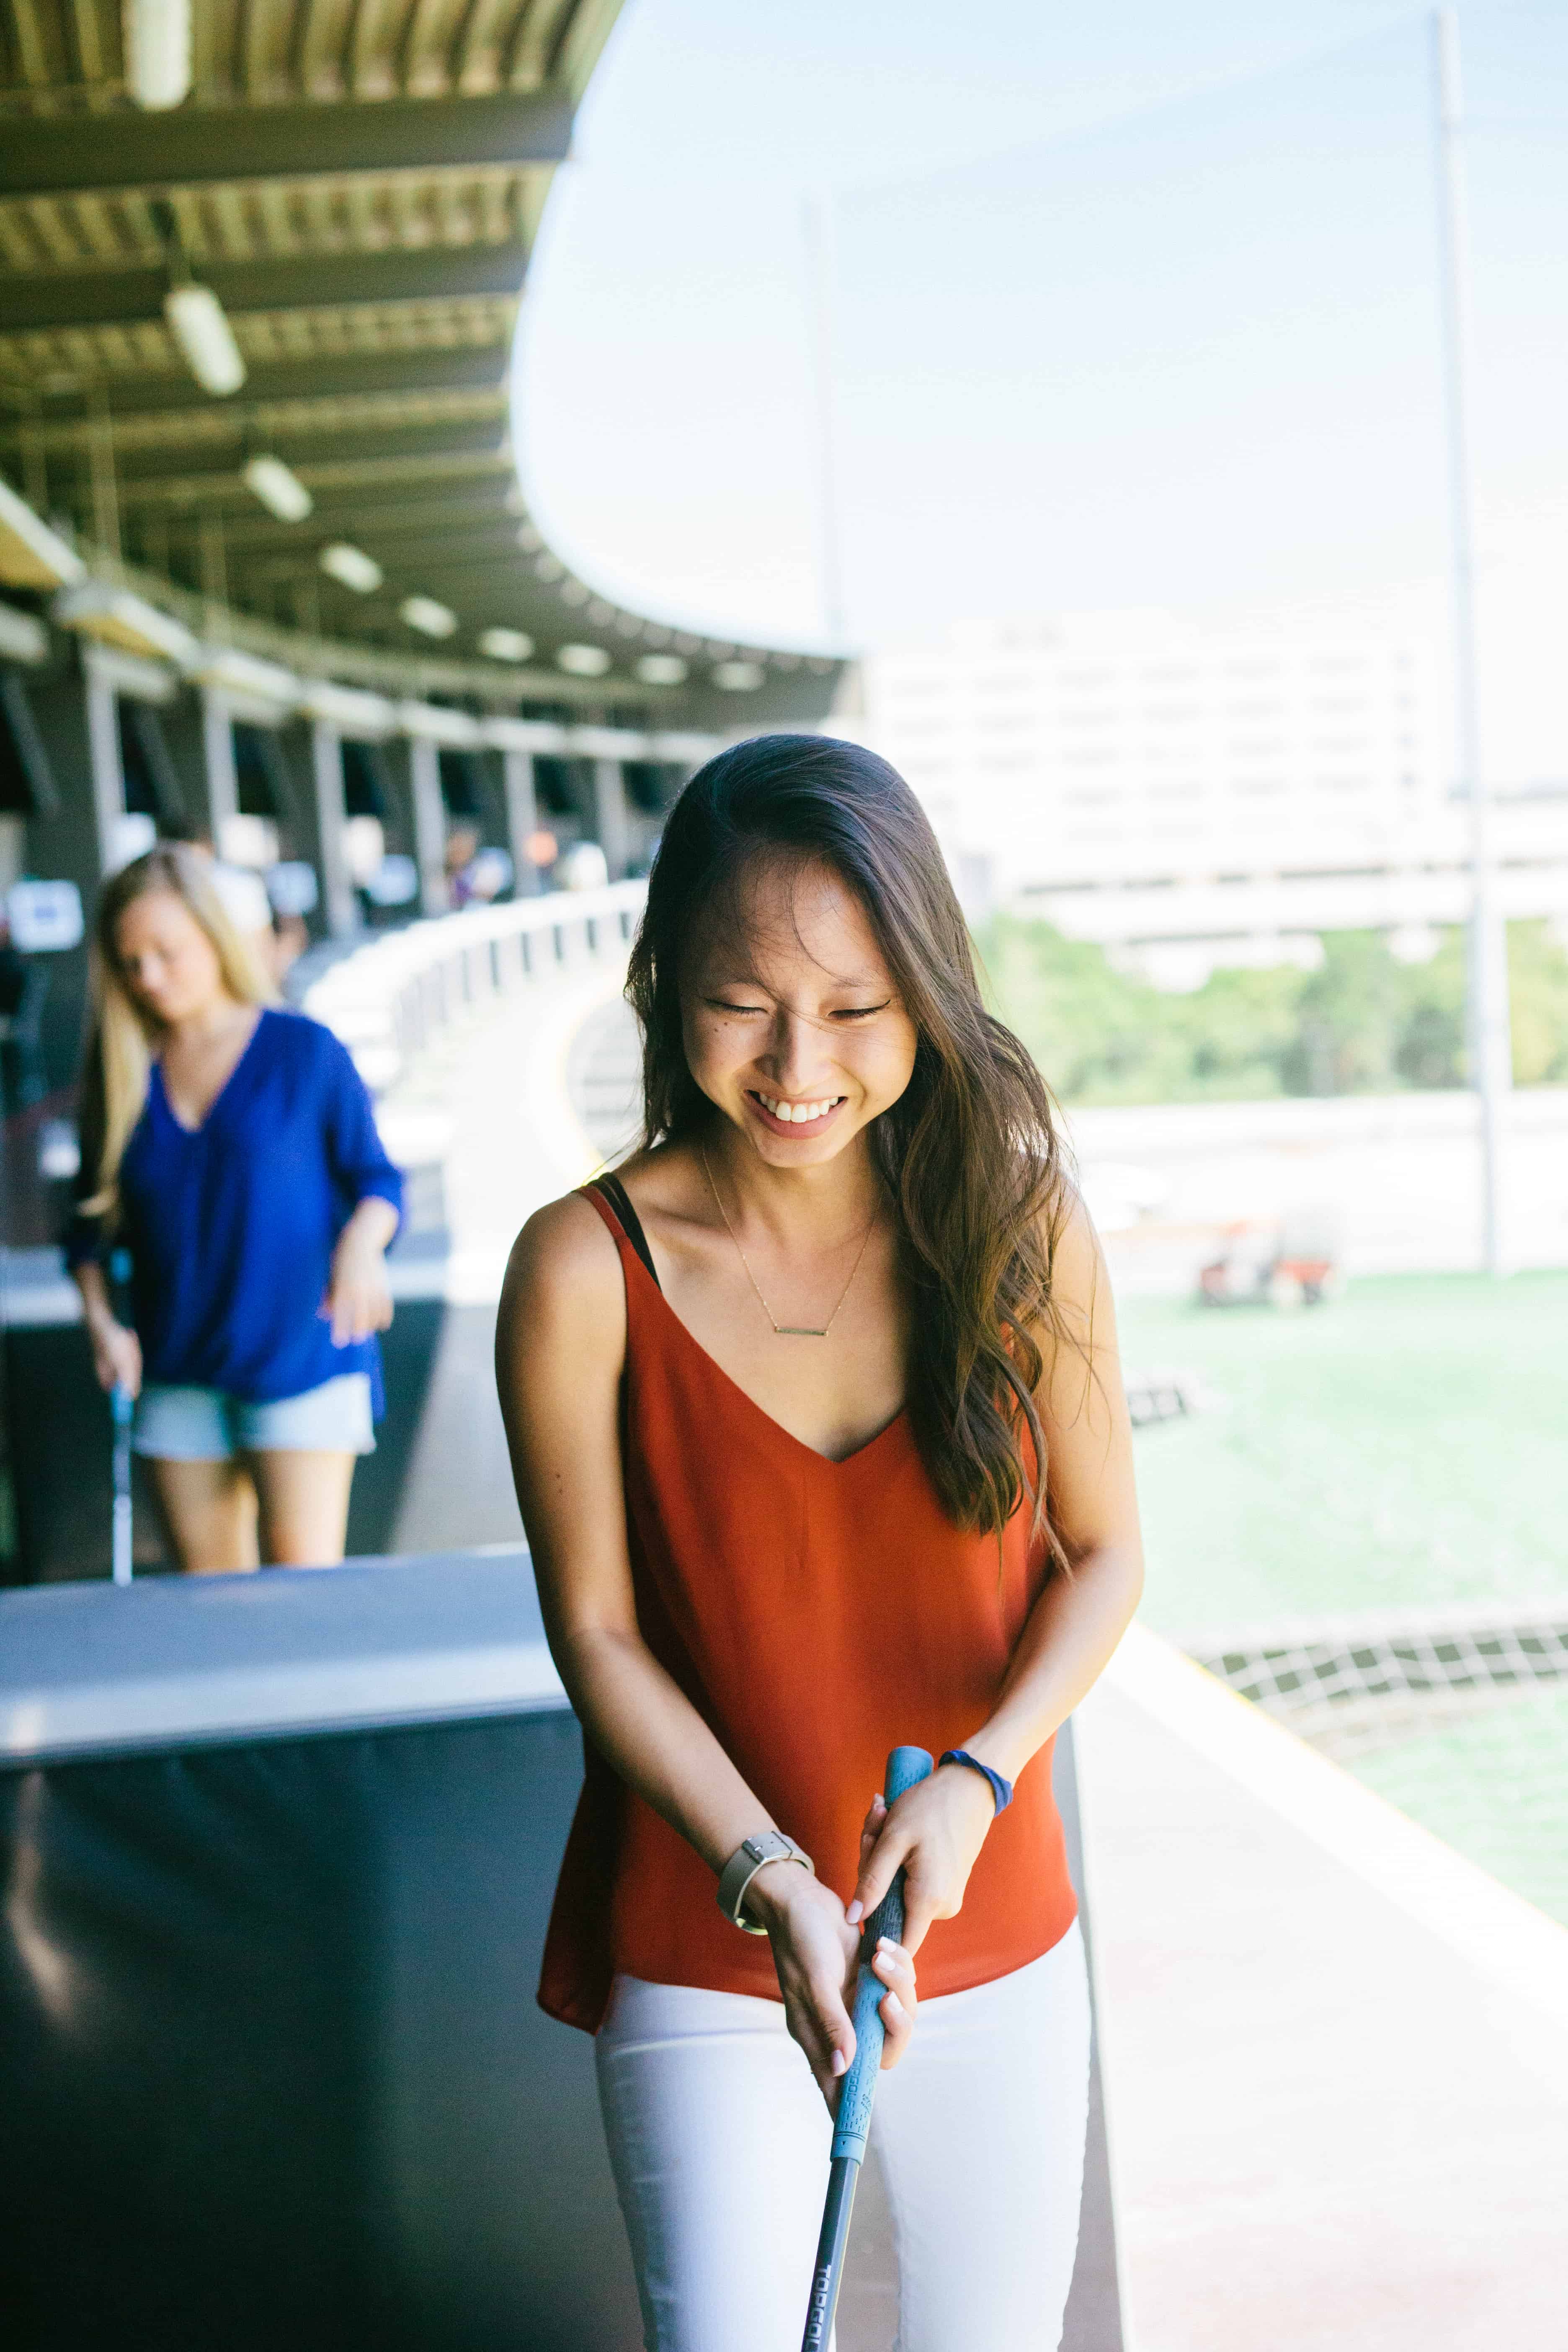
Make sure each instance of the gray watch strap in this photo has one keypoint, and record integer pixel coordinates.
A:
(754, 1853)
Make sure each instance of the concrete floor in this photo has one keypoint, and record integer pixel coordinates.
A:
(1333, 2123)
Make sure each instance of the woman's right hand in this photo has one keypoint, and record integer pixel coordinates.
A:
(816, 1953)
(116, 1355)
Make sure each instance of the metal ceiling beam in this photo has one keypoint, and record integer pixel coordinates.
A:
(224, 440)
(446, 531)
(459, 506)
(407, 564)
(217, 469)
(463, 557)
(38, 304)
(191, 147)
(471, 368)
(341, 461)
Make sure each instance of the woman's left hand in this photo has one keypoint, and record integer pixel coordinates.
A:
(935, 1831)
(359, 1297)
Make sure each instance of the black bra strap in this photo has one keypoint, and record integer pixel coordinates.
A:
(615, 1192)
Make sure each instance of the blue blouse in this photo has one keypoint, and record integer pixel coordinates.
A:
(231, 1229)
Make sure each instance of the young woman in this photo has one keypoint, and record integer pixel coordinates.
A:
(821, 1447)
(231, 1148)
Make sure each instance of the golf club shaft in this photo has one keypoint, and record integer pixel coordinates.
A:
(828, 2269)
(906, 1766)
(119, 1540)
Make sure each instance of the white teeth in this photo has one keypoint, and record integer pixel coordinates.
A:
(798, 1114)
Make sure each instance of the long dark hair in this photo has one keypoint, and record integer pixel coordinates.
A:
(969, 1154)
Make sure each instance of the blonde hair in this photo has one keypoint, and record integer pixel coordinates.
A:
(123, 1038)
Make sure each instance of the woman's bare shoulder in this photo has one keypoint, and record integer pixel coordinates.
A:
(1080, 1292)
(564, 1260)
(560, 1350)
(1078, 1262)
(665, 1179)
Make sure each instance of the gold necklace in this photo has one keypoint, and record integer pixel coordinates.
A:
(783, 1330)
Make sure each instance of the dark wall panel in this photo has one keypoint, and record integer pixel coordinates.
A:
(271, 2070)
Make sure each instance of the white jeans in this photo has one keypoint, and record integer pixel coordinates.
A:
(718, 2139)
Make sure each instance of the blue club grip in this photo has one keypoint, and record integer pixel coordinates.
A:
(906, 1767)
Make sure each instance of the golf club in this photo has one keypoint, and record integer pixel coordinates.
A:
(906, 1766)
(123, 1406)
(120, 1548)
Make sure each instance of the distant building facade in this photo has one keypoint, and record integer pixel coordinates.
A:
(1191, 797)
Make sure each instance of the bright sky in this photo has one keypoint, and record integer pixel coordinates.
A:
(1132, 305)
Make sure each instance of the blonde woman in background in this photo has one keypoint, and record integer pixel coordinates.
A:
(229, 1145)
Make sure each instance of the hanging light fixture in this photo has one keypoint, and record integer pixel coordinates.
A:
(157, 38)
(277, 487)
(431, 619)
(583, 661)
(661, 669)
(199, 325)
(505, 645)
(352, 567)
(196, 317)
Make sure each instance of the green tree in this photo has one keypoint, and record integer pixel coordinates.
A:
(1347, 1024)
(1537, 989)
(1431, 1049)
(1364, 1022)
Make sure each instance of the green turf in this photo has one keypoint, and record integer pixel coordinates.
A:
(1497, 1789)
(1406, 1444)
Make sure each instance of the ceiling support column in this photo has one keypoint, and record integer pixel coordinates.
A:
(522, 818)
(332, 819)
(611, 821)
(429, 825)
(222, 773)
(107, 770)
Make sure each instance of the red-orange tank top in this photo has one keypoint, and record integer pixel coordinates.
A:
(817, 1613)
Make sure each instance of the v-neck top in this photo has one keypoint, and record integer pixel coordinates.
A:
(231, 1225)
(817, 1613)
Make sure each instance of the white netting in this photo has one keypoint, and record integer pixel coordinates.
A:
(1349, 1685)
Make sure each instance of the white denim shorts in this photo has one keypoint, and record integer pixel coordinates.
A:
(176, 1425)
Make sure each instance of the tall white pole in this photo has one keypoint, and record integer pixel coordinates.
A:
(817, 224)
(1492, 1057)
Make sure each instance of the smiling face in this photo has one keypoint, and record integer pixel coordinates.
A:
(166, 961)
(791, 1022)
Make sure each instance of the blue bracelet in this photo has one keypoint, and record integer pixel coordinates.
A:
(1000, 1789)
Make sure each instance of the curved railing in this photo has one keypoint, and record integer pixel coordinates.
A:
(387, 999)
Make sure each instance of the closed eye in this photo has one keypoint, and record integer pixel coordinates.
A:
(720, 1004)
(860, 1011)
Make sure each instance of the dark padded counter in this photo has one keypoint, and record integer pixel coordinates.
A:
(277, 1854)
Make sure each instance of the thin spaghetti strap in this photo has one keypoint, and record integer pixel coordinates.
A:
(612, 1191)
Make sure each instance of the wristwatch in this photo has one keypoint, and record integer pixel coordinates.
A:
(754, 1854)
